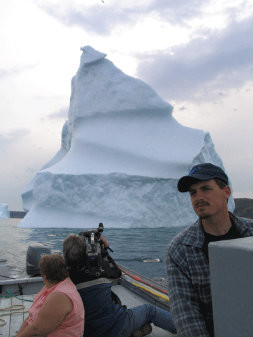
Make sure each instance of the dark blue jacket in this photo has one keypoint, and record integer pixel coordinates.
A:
(103, 318)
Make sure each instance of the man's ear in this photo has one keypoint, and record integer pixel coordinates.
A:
(227, 191)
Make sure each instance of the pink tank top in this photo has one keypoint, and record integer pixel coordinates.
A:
(73, 324)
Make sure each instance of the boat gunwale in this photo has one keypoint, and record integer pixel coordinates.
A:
(21, 286)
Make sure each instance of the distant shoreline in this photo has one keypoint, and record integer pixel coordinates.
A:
(17, 214)
(243, 207)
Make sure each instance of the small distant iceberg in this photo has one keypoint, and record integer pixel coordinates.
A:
(4, 212)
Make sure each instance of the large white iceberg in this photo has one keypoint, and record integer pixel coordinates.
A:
(121, 156)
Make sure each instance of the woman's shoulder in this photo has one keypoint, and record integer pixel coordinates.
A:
(65, 286)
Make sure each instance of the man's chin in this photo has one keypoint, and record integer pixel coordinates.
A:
(204, 216)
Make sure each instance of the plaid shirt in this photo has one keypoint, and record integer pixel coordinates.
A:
(189, 279)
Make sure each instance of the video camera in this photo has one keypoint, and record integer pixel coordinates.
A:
(93, 251)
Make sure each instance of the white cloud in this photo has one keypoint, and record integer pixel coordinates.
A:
(14, 70)
(203, 67)
(229, 121)
(13, 136)
(61, 113)
(97, 18)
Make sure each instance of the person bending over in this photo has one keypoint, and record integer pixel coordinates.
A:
(187, 256)
(57, 310)
(104, 317)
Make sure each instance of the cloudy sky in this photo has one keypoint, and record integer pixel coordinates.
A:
(196, 54)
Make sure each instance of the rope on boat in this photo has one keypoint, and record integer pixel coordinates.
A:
(12, 278)
(137, 278)
(12, 295)
(13, 309)
(21, 299)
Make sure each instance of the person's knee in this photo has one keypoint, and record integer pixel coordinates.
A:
(151, 309)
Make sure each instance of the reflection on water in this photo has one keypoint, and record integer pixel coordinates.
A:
(130, 246)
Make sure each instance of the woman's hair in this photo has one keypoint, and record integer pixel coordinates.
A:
(74, 251)
(53, 267)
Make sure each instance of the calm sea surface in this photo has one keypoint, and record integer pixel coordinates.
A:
(130, 246)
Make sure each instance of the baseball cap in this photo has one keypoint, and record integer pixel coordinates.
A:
(201, 172)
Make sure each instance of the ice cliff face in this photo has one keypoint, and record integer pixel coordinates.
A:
(121, 156)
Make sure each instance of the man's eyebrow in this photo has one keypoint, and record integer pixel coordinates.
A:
(206, 185)
(203, 186)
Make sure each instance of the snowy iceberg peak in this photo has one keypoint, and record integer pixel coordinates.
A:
(99, 88)
(91, 55)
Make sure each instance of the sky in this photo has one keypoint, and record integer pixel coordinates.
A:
(196, 54)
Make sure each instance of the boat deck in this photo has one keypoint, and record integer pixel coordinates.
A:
(19, 307)
(132, 289)
(13, 311)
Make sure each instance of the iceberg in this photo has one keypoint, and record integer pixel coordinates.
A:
(4, 212)
(121, 155)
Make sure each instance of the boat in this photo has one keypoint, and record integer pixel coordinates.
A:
(133, 289)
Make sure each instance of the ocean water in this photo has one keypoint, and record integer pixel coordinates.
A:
(130, 246)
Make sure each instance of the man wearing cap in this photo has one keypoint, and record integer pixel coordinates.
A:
(187, 260)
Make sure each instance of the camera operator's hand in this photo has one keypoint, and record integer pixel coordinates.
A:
(105, 243)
